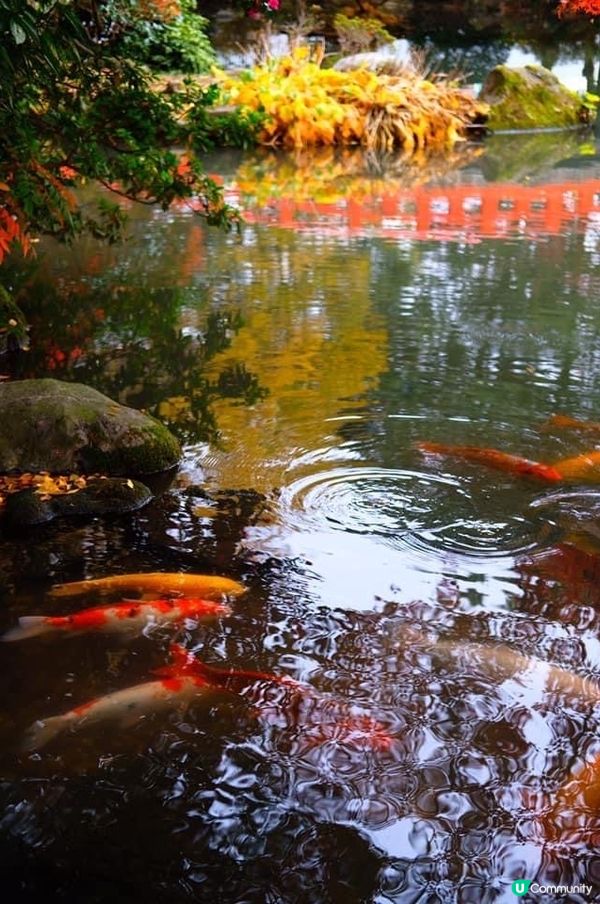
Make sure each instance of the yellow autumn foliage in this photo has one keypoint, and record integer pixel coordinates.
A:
(306, 105)
(44, 484)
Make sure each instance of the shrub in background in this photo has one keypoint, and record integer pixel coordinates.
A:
(169, 43)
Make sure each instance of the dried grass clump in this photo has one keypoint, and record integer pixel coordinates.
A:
(306, 105)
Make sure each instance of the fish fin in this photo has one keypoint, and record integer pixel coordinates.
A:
(239, 679)
(560, 421)
(29, 626)
(71, 589)
(42, 732)
(182, 662)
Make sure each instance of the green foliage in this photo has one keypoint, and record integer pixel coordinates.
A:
(73, 109)
(357, 34)
(591, 101)
(178, 44)
(220, 128)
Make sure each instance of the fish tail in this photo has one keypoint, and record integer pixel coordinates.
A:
(29, 626)
(232, 679)
(545, 472)
(42, 732)
(494, 458)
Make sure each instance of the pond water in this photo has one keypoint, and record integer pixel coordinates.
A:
(368, 305)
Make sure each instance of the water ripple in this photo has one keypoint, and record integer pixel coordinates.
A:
(402, 508)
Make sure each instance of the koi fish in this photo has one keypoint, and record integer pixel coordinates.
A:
(574, 564)
(582, 787)
(189, 585)
(573, 816)
(581, 467)
(319, 719)
(178, 682)
(564, 422)
(128, 615)
(542, 674)
(237, 680)
(124, 706)
(502, 461)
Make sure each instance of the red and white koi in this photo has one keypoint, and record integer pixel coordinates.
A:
(127, 616)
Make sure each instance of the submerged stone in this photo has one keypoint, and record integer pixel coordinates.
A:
(530, 97)
(110, 496)
(51, 425)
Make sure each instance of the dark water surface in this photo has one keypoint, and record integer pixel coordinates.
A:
(368, 305)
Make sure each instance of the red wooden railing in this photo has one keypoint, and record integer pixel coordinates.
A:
(458, 212)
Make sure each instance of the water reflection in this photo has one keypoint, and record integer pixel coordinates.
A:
(301, 366)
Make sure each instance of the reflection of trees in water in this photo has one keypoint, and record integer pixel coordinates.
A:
(472, 62)
(130, 344)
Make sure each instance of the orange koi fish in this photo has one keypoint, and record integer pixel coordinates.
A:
(502, 461)
(178, 683)
(155, 583)
(575, 811)
(564, 422)
(128, 615)
(584, 467)
(572, 564)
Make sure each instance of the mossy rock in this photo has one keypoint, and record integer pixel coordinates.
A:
(530, 98)
(524, 155)
(50, 425)
(112, 496)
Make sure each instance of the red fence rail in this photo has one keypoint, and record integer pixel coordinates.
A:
(459, 212)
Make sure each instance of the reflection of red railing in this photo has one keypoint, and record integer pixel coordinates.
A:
(460, 212)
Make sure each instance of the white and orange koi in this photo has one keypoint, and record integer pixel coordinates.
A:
(186, 678)
(155, 583)
(127, 616)
(125, 706)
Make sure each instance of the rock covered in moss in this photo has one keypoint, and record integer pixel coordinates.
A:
(530, 98)
(110, 496)
(51, 425)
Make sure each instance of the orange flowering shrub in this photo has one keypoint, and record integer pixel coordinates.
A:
(585, 7)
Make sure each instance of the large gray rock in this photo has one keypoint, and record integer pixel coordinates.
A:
(50, 425)
(530, 98)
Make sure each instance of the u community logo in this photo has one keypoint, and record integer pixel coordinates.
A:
(521, 886)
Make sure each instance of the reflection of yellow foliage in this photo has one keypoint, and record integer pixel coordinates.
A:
(311, 337)
(327, 175)
(174, 409)
(306, 105)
